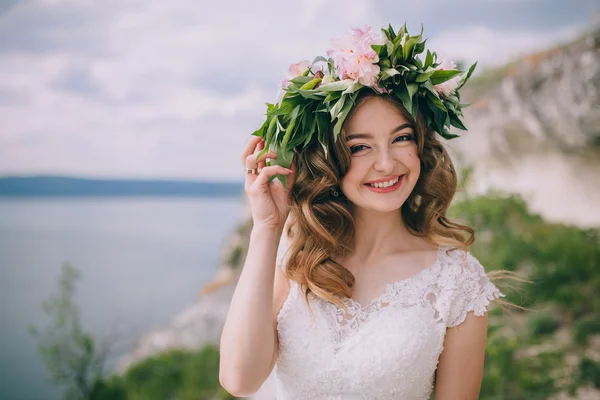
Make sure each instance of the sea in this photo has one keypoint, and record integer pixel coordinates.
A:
(140, 262)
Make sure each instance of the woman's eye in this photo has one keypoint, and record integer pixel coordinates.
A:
(357, 148)
(404, 138)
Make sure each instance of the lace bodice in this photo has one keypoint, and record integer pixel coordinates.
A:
(388, 349)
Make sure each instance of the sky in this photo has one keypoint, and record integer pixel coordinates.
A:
(174, 89)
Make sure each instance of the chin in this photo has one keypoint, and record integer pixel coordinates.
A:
(382, 204)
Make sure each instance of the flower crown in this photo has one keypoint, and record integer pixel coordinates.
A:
(322, 93)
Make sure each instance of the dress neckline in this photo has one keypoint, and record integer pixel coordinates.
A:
(355, 306)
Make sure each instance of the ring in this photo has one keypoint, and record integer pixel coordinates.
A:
(251, 171)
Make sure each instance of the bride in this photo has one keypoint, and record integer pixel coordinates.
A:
(356, 284)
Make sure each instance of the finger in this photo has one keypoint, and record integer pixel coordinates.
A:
(250, 147)
(292, 176)
(260, 164)
(253, 162)
(268, 172)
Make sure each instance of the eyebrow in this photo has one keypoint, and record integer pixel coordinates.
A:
(370, 136)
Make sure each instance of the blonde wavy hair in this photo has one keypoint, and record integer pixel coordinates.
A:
(321, 225)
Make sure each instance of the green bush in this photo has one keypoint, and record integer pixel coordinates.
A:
(175, 374)
(542, 323)
(563, 263)
(590, 372)
(585, 327)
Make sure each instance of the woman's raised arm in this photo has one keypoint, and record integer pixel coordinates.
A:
(249, 341)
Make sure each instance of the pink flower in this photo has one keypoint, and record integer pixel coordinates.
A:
(294, 71)
(447, 88)
(354, 58)
(298, 69)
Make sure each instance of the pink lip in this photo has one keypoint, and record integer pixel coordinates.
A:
(387, 189)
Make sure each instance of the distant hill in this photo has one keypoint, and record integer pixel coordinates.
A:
(57, 186)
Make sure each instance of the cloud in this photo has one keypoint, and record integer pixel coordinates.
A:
(174, 89)
(492, 47)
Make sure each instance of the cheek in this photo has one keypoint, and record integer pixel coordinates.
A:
(354, 175)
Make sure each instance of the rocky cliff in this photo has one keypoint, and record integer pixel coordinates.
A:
(534, 129)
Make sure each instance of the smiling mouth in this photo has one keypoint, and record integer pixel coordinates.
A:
(385, 184)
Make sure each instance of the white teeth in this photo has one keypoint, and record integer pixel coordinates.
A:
(385, 184)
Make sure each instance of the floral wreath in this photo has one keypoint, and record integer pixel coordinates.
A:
(322, 93)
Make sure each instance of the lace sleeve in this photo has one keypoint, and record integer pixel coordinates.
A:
(474, 291)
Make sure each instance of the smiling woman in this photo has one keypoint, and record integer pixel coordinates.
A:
(363, 295)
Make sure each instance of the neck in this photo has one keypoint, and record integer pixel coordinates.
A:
(377, 234)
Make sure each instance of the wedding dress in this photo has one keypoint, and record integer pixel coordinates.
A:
(387, 349)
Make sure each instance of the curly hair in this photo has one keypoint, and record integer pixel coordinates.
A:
(321, 225)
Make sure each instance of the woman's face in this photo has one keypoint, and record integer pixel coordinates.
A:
(384, 166)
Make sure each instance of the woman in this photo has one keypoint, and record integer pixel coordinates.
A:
(375, 295)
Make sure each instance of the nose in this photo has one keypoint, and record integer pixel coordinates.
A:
(385, 162)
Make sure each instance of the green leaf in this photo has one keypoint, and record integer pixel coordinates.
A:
(388, 73)
(403, 30)
(279, 128)
(408, 48)
(466, 78)
(322, 126)
(396, 55)
(415, 107)
(301, 80)
(457, 123)
(342, 116)
(286, 137)
(419, 47)
(418, 63)
(412, 89)
(337, 107)
(380, 49)
(271, 128)
(336, 86)
(429, 88)
(330, 66)
(436, 101)
(353, 88)
(447, 135)
(332, 96)
(439, 115)
(261, 131)
(401, 90)
(390, 49)
(385, 63)
(391, 30)
(311, 130)
(285, 161)
(268, 138)
(441, 76)
(310, 85)
(312, 94)
(319, 59)
(428, 60)
(424, 76)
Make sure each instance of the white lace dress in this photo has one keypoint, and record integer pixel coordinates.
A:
(388, 349)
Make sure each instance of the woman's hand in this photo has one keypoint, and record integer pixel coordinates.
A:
(269, 201)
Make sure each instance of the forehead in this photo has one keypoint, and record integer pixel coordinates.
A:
(375, 116)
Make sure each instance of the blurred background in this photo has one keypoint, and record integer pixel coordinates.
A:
(122, 219)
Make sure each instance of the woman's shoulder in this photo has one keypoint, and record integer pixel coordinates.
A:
(460, 262)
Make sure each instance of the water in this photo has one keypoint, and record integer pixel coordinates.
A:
(142, 260)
